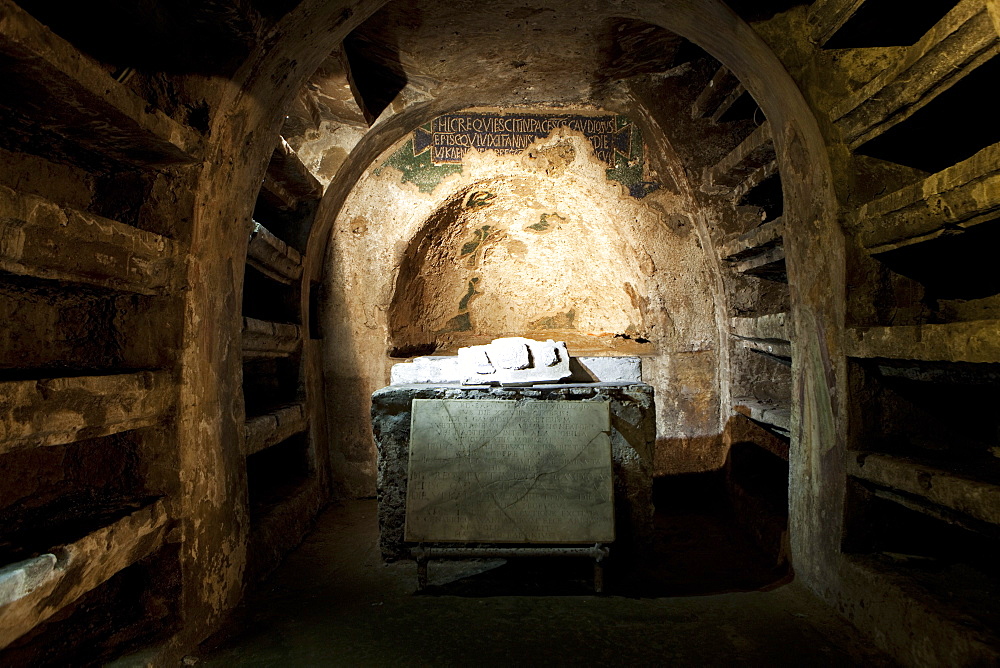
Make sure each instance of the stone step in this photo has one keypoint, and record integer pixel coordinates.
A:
(768, 264)
(287, 169)
(964, 629)
(775, 415)
(754, 242)
(956, 198)
(752, 154)
(264, 431)
(769, 334)
(754, 179)
(742, 429)
(54, 86)
(772, 329)
(273, 257)
(55, 411)
(718, 89)
(961, 41)
(82, 566)
(782, 349)
(826, 17)
(262, 338)
(977, 499)
(42, 239)
(275, 194)
(970, 341)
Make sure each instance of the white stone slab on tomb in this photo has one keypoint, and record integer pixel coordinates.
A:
(449, 369)
(515, 360)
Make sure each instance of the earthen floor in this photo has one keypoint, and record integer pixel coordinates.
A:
(334, 603)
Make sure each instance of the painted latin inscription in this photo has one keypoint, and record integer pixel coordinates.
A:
(437, 149)
(450, 137)
(509, 472)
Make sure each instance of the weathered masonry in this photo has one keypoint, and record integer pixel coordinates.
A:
(222, 223)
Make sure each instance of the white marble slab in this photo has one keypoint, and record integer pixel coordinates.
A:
(499, 471)
(447, 369)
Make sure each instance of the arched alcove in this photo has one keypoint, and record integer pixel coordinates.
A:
(553, 240)
(523, 255)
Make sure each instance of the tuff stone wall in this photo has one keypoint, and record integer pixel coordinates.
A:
(827, 168)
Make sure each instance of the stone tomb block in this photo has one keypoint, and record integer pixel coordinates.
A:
(507, 471)
(633, 433)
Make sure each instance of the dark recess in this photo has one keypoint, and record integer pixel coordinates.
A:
(761, 474)
(939, 413)
(768, 195)
(182, 36)
(745, 108)
(956, 265)
(269, 383)
(275, 473)
(375, 70)
(755, 10)
(266, 299)
(415, 350)
(316, 300)
(889, 23)
(953, 126)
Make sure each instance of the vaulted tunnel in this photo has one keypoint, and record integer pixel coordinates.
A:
(221, 225)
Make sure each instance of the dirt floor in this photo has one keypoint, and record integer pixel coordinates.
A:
(704, 597)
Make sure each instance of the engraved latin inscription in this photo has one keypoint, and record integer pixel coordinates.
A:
(510, 472)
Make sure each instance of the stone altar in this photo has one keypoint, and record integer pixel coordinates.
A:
(632, 435)
(508, 471)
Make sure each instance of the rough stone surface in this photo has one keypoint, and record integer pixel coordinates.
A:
(19, 579)
(632, 436)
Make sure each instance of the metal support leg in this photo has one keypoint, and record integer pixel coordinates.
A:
(422, 553)
(598, 577)
(421, 574)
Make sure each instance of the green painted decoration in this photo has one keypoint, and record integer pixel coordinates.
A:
(436, 149)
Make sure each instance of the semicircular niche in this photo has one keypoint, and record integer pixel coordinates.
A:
(524, 255)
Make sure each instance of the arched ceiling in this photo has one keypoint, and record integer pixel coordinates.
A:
(501, 54)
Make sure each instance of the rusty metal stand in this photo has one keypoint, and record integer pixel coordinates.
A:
(424, 553)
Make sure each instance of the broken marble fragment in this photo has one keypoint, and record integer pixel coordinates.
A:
(511, 355)
(429, 369)
(514, 360)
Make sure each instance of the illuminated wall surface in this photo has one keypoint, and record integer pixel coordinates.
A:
(486, 224)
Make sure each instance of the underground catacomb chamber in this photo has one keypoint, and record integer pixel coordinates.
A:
(221, 227)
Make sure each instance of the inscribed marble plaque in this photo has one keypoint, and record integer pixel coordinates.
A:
(501, 471)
